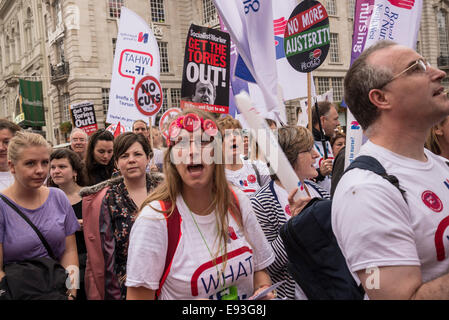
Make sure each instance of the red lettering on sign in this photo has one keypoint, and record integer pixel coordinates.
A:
(305, 20)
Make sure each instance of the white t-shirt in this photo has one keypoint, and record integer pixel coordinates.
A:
(375, 227)
(192, 274)
(6, 179)
(246, 179)
(318, 146)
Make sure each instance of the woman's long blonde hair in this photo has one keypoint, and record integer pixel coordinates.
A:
(222, 197)
(432, 142)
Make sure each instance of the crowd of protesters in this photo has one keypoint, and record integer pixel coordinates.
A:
(145, 218)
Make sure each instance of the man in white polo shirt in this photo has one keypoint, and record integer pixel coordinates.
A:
(397, 248)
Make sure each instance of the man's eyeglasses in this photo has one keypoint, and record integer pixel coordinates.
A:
(421, 65)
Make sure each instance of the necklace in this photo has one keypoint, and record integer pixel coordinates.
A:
(208, 249)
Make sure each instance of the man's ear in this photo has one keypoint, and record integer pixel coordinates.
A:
(322, 118)
(379, 98)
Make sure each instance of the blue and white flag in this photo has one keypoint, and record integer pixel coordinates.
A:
(250, 24)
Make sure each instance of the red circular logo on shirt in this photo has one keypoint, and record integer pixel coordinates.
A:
(432, 201)
(251, 178)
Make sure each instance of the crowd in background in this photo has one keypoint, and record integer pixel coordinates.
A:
(142, 226)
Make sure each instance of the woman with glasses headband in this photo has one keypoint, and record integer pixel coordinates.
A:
(220, 251)
(273, 208)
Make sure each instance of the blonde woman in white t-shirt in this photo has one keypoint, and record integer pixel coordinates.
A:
(220, 249)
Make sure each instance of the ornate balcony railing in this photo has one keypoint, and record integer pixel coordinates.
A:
(60, 72)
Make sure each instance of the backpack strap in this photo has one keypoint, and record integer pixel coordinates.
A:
(174, 235)
(373, 165)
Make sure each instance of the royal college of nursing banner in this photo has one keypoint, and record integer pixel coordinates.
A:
(136, 57)
(376, 20)
(31, 104)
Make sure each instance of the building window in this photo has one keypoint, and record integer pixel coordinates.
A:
(105, 101)
(29, 27)
(442, 33)
(65, 108)
(324, 84)
(114, 45)
(337, 85)
(210, 15)
(57, 14)
(164, 101)
(60, 50)
(351, 9)
(334, 51)
(19, 48)
(45, 26)
(115, 8)
(163, 53)
(7, 54)
(331, 7)
(13, 50)
(175, 95)
(157, 11)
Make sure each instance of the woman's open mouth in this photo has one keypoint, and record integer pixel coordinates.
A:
(195, 168)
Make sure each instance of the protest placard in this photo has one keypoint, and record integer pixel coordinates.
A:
(136, 57)
(83, 116)
(166, 118)
(205, 81)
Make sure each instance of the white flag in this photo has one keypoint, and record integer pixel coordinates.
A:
(250, 24)
(136, 56)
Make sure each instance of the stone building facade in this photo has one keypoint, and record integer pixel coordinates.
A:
(69, 45)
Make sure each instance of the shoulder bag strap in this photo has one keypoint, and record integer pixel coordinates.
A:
(24, 217)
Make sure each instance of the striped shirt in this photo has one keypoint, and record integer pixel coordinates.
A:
(271, 216)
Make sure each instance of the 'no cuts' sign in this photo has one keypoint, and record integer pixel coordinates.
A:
(148, 96)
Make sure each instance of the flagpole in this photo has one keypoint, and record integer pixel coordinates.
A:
(151, 132)
(309, 99)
